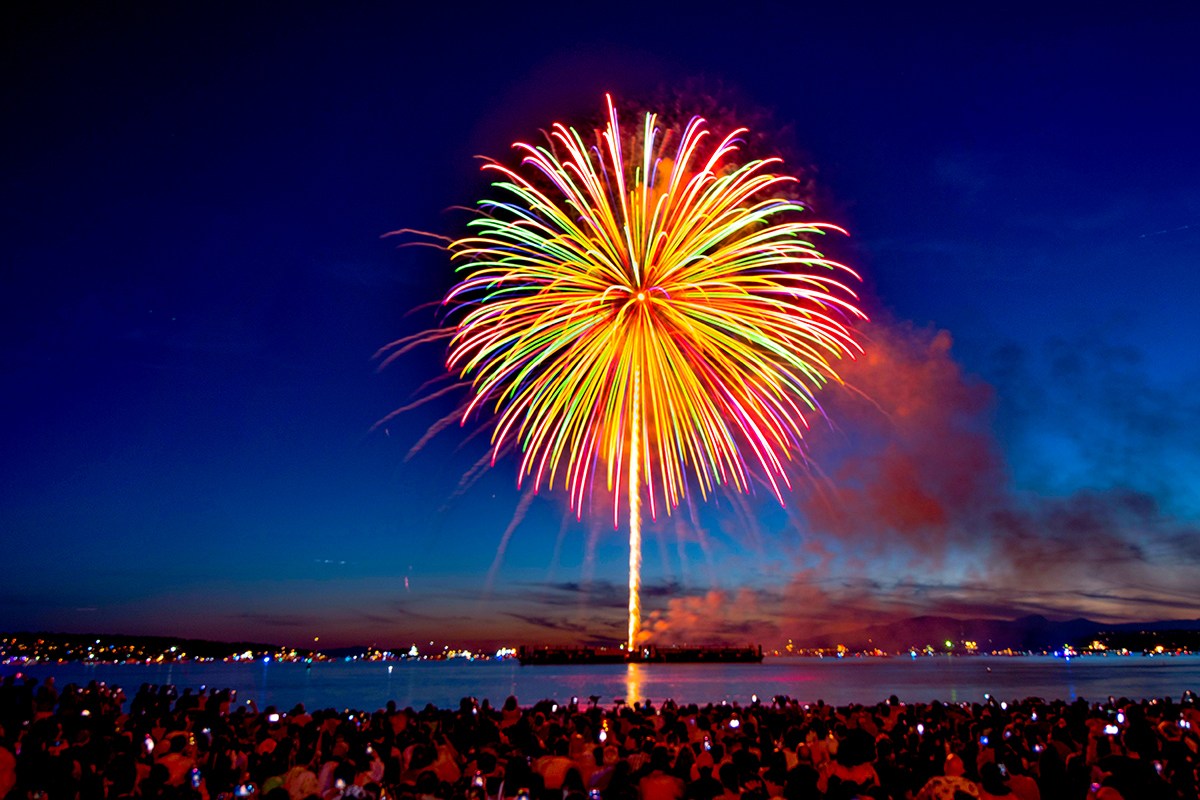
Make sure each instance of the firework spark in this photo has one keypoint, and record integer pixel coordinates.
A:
(654, 315)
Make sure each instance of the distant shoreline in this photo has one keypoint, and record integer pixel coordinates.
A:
(768, 657)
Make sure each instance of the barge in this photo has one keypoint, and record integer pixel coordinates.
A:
(560, 656)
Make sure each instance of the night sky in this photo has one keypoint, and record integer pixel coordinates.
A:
(195, 280)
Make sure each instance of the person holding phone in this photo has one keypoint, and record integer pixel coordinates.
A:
(993, 783)
(178, 763)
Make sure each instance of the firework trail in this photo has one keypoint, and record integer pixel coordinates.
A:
(513, 524)
(651, 314)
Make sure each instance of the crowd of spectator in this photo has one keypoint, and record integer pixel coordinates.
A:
(93, 743)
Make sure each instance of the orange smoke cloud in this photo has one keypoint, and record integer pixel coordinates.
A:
(912, 454)
(718, 616)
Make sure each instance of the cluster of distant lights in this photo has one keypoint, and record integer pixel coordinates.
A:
(98, 652)
(13, 650)
(413, 653)
(971, 648)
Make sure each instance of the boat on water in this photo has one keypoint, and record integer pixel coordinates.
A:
(560, 656)
(704, 655)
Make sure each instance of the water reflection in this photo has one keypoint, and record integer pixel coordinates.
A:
(366, 685)
(264, 691)
(633, 683)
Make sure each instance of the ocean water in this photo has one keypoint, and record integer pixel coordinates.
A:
(370, 685)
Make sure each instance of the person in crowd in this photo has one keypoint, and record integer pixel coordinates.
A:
(951, 785)
(659, 782)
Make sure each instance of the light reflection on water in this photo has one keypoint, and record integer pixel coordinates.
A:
(368, 686)
(633, 683)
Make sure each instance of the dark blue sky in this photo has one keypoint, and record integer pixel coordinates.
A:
(194, 283)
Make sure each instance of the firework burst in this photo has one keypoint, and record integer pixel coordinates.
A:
(649, 312)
